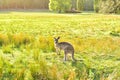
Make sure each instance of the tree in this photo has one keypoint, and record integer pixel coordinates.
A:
(107, 6)
(96, 5)
(60, 5)
(80, 5)
(74, 7)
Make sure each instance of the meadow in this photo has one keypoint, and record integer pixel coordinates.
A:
(27, 49)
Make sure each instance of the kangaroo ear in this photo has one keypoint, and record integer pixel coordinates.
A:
(58, 37)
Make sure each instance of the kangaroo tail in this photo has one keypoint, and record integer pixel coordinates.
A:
(73, 57)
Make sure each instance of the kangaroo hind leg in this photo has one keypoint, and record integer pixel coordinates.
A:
(65, 55)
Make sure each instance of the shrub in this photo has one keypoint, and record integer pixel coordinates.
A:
(60, 5)
(107, 6)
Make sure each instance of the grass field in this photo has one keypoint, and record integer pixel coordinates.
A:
(27, 49)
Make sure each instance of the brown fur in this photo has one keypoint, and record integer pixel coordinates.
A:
(65, 46)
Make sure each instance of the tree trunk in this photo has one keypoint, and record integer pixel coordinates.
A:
(73, 5)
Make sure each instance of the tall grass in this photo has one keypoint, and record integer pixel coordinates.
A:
(27, 49)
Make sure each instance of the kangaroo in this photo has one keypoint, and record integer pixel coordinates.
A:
(65, 46)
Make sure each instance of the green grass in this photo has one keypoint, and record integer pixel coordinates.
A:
(27, 50)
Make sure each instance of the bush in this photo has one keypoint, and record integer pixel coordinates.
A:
(107, 6)
(60, 5)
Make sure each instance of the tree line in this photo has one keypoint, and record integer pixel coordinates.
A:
(101, 6)
(24, 4)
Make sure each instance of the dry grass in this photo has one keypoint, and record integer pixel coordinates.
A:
(28, 38)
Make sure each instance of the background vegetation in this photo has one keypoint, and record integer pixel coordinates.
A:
(101, 6)
(60, 5)
(27, 50)
(107, 6)
(80, 5)
(23, 4)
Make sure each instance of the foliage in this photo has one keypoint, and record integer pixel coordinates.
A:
(60, 5)
(27, 49)
(80, 5)
(24, 4)
(107, 6)
(96, 5)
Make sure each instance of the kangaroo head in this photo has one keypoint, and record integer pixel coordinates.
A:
(56, 39)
